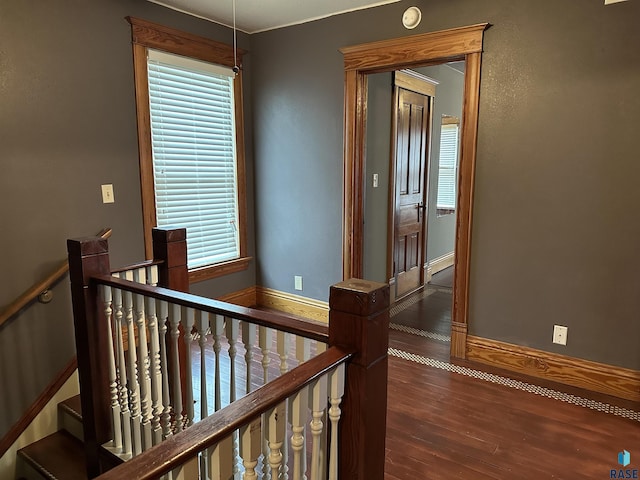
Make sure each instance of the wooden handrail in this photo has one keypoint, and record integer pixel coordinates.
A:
(31, 294)
(314, 331)
(180, 448)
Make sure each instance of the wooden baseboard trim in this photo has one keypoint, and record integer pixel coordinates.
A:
(36, 407)
(293, 304)
(245, 298)
(458, 339)
(608, 379)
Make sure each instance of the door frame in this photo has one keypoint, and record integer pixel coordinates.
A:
(464, 43)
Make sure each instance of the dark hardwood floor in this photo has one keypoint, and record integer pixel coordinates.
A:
(462, 420)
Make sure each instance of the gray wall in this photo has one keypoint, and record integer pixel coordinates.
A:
(441, 230)
(554, 232)
(378, 151)
(68, 125)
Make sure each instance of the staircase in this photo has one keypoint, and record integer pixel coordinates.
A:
(59, 455)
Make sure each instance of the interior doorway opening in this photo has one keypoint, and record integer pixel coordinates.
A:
(461, 44)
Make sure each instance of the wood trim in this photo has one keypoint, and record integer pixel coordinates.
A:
(145, 151)
(415, 82)
(415, 49)
(32, 293)
(466, 176)
(305, 307)
(458, 339)
(158, 36)
(599, 377)
(219, 269)
(244, 298)
(36, 407)
(389, 55)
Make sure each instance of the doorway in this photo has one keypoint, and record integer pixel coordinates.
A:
(461, 44)
(412, 118)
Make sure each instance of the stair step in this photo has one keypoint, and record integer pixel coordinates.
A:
(58, 456)
(70, 417)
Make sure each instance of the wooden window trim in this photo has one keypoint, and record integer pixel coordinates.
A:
(145, 35)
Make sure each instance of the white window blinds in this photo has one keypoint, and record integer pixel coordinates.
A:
(194, 157)
(448, 169)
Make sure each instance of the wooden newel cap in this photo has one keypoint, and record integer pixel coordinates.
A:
(168, 234)
(87, 246)
(359, 297)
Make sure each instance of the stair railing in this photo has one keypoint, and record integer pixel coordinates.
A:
(134, 399)
(41, 287)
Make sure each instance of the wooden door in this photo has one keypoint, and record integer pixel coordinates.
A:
(413, 115)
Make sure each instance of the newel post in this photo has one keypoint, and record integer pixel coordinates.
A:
(359, 318)
(88, 257)
(170, 245)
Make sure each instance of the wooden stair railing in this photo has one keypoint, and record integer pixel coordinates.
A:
(32, 293)
(104, 305)
(169, 456)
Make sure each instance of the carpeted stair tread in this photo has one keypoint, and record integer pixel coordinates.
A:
(58, 456)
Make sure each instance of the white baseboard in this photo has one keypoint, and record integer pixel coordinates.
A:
(440, 263)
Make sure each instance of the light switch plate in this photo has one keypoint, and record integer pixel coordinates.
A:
(107, 194)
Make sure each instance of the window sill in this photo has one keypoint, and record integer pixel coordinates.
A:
(218, 270)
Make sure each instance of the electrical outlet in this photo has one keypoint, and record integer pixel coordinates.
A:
(560, 334)
(297, 282)
(107, 194)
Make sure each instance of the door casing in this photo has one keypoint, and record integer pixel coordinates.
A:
(464, 43)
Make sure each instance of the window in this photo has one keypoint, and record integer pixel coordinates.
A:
(448, 165)
(191, 149)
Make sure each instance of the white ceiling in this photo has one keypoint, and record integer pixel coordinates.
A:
(254, 16)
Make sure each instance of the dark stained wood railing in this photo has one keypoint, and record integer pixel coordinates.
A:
(358, 328)
(32, 293)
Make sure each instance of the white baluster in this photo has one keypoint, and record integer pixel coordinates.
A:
(123, 394)
(320, 347)
(232, 327)
(276, 423)
(249, 339)
(220, 459)
(336, 391)
(298, 409)
(251, 437)
(155, 372)
(174, 322)
(113, 377)
(143, 363)
(188, 338)
(303, 349)
(318, 404)
(216, 325)
(283, 350)
(165, 420)
(201, 327)
(152, 275)
(134, 390)
(265, 341)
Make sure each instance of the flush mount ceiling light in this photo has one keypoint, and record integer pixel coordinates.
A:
(411, 17)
